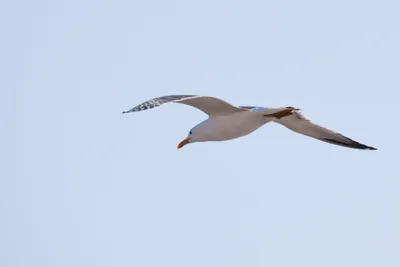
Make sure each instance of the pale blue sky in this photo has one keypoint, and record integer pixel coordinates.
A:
(88, 186)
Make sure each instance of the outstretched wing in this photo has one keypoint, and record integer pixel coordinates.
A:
(210, 105)
(302, 125)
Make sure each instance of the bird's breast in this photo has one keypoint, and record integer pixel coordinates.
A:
(233, 126)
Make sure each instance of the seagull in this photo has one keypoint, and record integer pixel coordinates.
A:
(226, 121)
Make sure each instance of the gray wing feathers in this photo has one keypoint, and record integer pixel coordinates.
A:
(155, 102)
(210, 105)
(247, 107)
(302, 125)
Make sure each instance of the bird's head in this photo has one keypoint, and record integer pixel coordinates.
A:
(189, 139)
(200, 133)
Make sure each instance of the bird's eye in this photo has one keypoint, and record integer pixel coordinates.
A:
(190, 132)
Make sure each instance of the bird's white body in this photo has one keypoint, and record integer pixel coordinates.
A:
(227, 127)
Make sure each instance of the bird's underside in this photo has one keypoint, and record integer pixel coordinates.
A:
(289, 117)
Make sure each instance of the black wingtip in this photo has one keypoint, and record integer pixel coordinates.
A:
(123, 112)
(361, 146)
(350, 144)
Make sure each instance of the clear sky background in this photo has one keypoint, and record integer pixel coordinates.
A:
(83, 185)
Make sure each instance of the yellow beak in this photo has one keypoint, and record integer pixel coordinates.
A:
(183, 143)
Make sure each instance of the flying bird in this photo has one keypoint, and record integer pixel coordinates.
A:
(226, 121)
